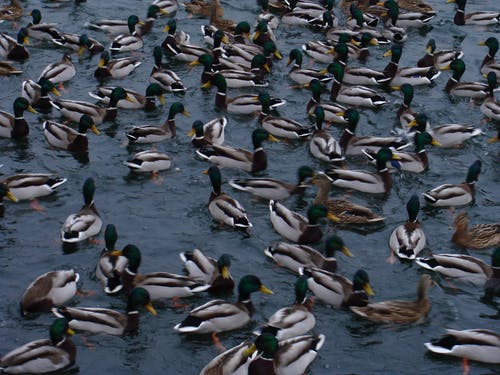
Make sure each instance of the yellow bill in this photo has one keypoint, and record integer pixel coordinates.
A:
(128, 98)
(347, 252)
(368, 289)
(161, 98)
(206, 85)
(267, 68)
(56, 92)
(31, 109)
(272, 138)
(186, 113)
(248, 352)
(11, 196)
(435, 143)
(412, 123)
(150, 308)
(166, 29)
(69, 331)
(94, 130)
(225, 272)
(396, 157)
(278, 55)
(388, 53)
(101, 63)
(265, 290)
(333, 218)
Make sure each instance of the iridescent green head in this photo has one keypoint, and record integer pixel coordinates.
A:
(219, 81)
(342, 51)
(87, 123)
(110, 237)
(271, 49)
(139, 297)
(315, 86)
(319, 112)
(492, 44)
(352, 117)
(337, 70)
(46, 86)
(153, 11)
(259, 61)
(175, 109)
(295, 56)
(267, 344)
(260, 135)
(171, 26)
(36, 16)
(334, 244)
(327, 19)
(421, 121)
(158, 55)
(206, 60)
(407, 91)
(154, 89)
(198, 128)
(265, 101)
(413, 207)
(215, 178)
(117, 94)
(22, 36)
(218, 37)
(20, 105)
(473, 172)
(250, 284)
(133, 255)
(131, 22)
(431, 46)
(261, 26)
(458, 68)
(357, 14)
(300, 289)
(242, 27)
(492, 82)
(88, 191)
(304, 172)
(59, 329)
(223, 264)
(383, 156)
(395, 52)
(362, 282)
(316, 212)
(423, 139)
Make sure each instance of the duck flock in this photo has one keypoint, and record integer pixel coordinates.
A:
(349, 159)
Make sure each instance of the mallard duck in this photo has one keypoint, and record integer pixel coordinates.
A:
(407, 240)
(48, 290)
(174, 36)
(42, 356)
(481, 345)
(331, 110)
(489, 64)
(133, 100)
(291, 356)
(438, 59)
(60, 71)
(11, 12)
(219, 315)
(243, 104)
(308, 17)
(464, 267)
(364, 17)
(66, 138)
(203, 8)
(397, 311)
(352, 95)
(5, 192)
(116, 27)
(130, 41)
(480, 236)
(110, 267)
(37, 94)
(29, 186)
(396, 76)
(183, 52)
(404, 20)
(484, 18)
(347, 212)
(301, 75)
(14, 125)
(492, 286)
(353, 145)
(111, 322)
(336, 290)
(79, 43)
(166, 78)
(217, 20)
(231, 361)
(476, 90)
(209, 270)
(272, 20)
(86, 222)
(223, 208)
(367, 182)
(263, 34)
(6, 69)
(150, 134)
(234, 78)
(294, 320)
(231, 157)
(280, 126)
(115, 68)
(241, 55)
(293, 256)
(158, 284)
(42, 31)
(272, 189)
(491, 107)
(455, 195)
(149, 161)
(322, 145)
(295, 227)
(74, 109)
(241, 33)
(356, 75)
(167, 7)
(14, 49)
(212, 132)
(447, 135)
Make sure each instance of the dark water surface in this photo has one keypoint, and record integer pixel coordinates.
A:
(165, 219)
